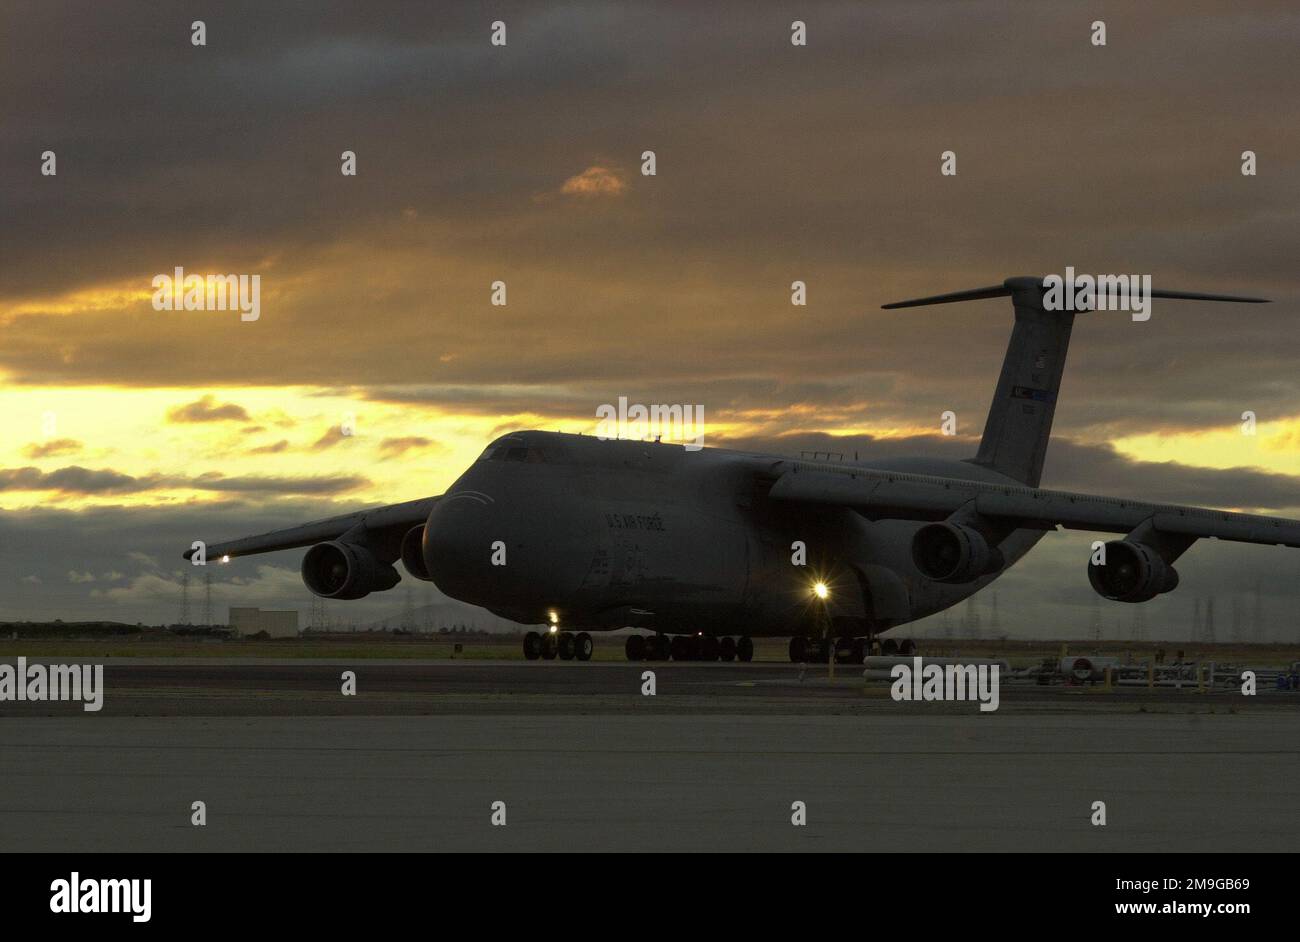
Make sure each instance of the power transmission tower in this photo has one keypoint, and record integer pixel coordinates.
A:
(185, 597)
(408, 612)
(206, 618)
(1209, 621)
(971, 620)
(1139, 630)
(1238, 619)
(1260, 634)
(1196, 619)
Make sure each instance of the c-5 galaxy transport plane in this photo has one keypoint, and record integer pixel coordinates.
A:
(704, 547)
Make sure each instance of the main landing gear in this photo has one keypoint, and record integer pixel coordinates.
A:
(689, 648)
(847, 650)
(562, 644)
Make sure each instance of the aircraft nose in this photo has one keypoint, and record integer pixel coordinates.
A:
(458, 544)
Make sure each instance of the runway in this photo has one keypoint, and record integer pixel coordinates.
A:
(402, 687)
(658, 783)
(584, 761)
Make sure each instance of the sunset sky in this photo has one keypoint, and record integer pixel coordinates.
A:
(131, 432)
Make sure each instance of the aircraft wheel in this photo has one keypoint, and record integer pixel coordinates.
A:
(657, 648)
(550, 646)
(635, 648)
(532, 646)
(566, 646)
(680, 648)
(726, 649)
(859, 650)
(822, 651)
(583, 646)
(888, 646)
(745, 648)
(708, 648)
(907, 648)
(798, 649)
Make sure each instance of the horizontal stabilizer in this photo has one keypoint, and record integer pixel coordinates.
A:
(1005, 290)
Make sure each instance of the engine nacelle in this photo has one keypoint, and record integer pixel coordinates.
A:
(1134, 572)
(952, 552)
(413, 554)
(336, 570)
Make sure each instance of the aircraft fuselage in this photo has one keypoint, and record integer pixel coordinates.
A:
(609, 534)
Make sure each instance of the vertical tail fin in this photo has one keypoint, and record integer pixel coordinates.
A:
(1024, 403)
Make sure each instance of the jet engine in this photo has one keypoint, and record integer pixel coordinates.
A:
(413, 554)
(953, 552)
(1133, 572)
(337, 570)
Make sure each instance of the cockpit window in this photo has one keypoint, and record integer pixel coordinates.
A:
(514, 450)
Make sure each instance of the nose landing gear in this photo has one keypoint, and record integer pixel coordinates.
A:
(847, 650)
(689, 648)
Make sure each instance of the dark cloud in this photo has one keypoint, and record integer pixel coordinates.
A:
(395, 447)
(275, 449)
(207, 410)
(87, 481)
(53, 448)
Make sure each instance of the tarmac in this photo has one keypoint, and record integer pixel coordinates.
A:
(716, 760)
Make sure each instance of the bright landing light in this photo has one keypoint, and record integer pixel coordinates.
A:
(820, 590)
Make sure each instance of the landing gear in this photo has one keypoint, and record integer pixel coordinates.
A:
(566, 646)
(798, 649)
(550, 646)
(846, 650)
(583, 646)
(907, 647)
(532, 646)
(635, 648)
(687, 648)
(889, 647)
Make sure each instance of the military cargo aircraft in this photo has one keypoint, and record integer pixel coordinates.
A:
(710, 548)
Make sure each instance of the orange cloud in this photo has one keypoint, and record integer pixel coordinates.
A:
(593, 182)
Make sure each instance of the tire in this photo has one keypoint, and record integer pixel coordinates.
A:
(532, 646)
(798, 649)
(550, 646)
(859, 651)
(843, 650)
(727, 649)
(889, 647)
(708, 648)
(566, 646)
(680, 648)
(907, 648)
(745, 648)
(583, 646)
(635, 648)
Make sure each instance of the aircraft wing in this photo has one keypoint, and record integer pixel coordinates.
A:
(881, 495)
(379, 526)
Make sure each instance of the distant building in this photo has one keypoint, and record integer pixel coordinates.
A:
(251, 621)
